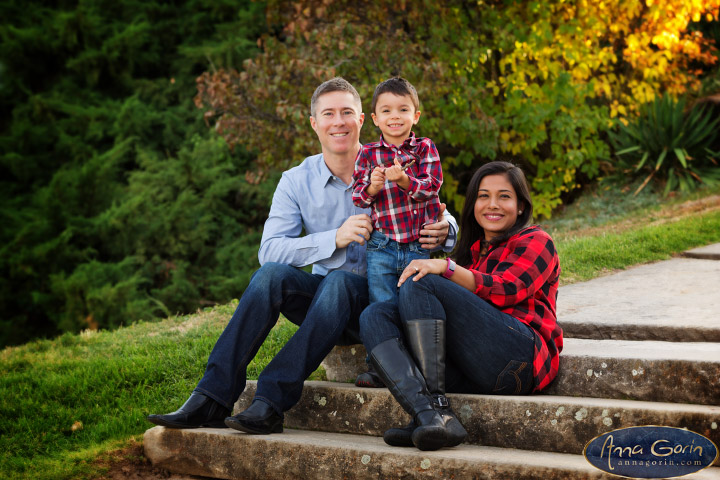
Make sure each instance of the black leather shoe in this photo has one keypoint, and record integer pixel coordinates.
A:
(259, 418)
(197, 411)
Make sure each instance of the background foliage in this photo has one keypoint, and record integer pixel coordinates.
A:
(537, 83)
(118, 203)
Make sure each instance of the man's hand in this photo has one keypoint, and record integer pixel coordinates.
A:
(355, 229)
(433, 235)
(397, 175)
(377, 181)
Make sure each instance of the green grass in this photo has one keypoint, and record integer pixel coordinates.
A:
(64, 402)
(586, 257)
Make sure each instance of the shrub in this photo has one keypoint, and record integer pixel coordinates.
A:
(669, 145)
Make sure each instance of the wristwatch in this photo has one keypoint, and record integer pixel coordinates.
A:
(450, 269)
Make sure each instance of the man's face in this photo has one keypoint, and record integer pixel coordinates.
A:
(337, 122)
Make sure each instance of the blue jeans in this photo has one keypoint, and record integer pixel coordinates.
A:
(326, 309)
(386, 260)
(487, 351)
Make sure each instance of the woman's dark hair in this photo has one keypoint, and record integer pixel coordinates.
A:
(470, 229)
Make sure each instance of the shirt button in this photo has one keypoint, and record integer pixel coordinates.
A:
(414, 212)
(354, 270)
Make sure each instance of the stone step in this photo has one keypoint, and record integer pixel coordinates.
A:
(301, 454)
(674, 300)
(679, 372)
(548, 423)
(684, 372)
(710, 252)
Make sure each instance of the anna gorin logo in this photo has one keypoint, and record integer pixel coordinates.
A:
(651, 452)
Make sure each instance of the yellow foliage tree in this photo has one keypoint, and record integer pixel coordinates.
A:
(537, 83)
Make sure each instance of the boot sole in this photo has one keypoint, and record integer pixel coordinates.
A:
(399, 441)
(430, 438)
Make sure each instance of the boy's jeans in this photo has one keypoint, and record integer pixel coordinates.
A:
(326, 310)
(386, 260)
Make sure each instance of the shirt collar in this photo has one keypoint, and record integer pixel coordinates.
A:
(325, 174)
(408, 144)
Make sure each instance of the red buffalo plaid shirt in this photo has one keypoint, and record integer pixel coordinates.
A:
(397, 213)
(520, 278)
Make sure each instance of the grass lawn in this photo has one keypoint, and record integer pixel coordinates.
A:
(66, 401)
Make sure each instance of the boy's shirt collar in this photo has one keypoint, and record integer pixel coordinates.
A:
(409, 142)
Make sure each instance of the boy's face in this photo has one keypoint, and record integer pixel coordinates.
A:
(337, 122)
(395, 116)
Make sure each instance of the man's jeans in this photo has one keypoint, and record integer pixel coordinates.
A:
(487, 351)
(322, 307)
(386, 260)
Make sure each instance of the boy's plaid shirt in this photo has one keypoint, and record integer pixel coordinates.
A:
(397, 213)
(520, 277)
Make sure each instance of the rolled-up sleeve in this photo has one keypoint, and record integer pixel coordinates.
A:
(518, 276)
(429, 179)
(361, 180)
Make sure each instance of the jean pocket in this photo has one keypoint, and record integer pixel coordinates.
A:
(377, 241)
(510, 380)
(523, 330)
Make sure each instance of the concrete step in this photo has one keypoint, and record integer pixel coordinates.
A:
(710, 252)
(686, 372)
(675, 300)
(301, 454)
(548, 423)
(679, 372)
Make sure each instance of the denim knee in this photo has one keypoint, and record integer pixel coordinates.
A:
(411, 290)
(266, 276)
(379, 322)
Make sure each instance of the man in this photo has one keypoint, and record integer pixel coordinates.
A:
(316, 197)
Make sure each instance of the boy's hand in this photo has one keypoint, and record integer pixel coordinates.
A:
(396, 174)
(377, 181)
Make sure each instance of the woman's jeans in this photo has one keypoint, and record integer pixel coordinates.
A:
(487, 351)
(386, 260)
(326, 309)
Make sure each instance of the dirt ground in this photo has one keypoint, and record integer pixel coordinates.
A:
(130, 464)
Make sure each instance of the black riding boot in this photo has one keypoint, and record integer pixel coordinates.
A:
(426, 339)
(398, 371)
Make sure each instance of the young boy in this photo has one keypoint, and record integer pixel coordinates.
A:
(399, 176)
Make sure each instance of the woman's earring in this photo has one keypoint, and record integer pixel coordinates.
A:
(520, 212)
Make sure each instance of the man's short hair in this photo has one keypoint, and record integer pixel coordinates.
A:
(397, 86)
(337, 84)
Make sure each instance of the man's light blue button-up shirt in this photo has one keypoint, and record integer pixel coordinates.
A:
(310, 198)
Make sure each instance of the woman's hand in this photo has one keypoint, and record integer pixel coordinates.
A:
(420, 268)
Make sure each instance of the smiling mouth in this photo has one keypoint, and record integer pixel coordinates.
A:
(494, 216)
(339, 134)
(395, 125)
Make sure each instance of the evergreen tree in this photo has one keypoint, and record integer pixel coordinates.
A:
(117, 203)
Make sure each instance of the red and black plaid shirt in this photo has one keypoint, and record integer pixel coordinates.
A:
(520, 277)
(398, 213)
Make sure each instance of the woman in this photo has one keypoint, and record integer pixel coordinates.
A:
(493, 312)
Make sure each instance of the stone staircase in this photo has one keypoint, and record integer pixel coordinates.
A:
(642, 348)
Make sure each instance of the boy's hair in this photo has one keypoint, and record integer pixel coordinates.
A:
(337, 84)
(397, 86)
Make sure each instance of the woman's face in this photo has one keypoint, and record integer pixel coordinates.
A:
(496, 207)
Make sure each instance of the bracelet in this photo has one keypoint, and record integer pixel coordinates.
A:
(450, 268)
